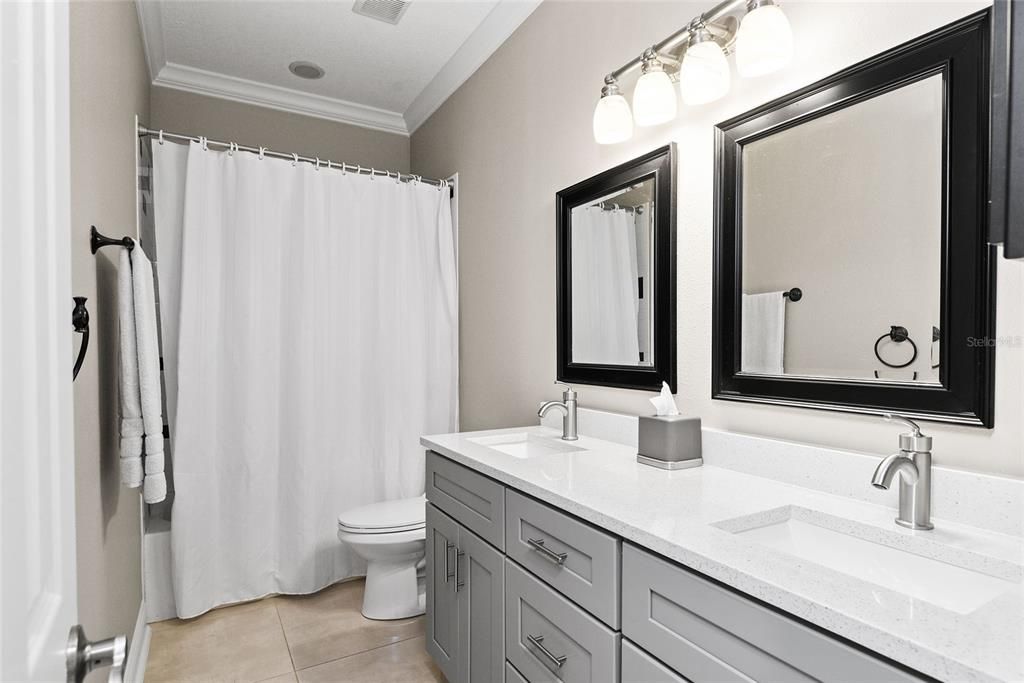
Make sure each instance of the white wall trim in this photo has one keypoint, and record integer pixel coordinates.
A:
(138, 653)
(492, 32)
(190, 79)
(151, 26)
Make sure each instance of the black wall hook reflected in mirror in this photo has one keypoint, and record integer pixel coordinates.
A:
(80, 321)
(898, 334)
(97, 241)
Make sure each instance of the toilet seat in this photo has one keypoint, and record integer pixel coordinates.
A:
(389, 517)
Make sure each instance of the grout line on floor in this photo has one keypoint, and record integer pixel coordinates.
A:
(280, 623)
(362, 652)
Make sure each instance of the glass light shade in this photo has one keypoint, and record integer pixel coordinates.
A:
(704, 73)
(764, 42)
(654, 99)
(613, 121)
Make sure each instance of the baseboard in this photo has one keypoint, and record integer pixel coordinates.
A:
(138, 653)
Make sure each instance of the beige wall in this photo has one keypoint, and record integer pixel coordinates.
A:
(217, 119)
(519, 130)
(109, 85)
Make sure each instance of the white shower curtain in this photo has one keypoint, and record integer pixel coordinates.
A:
(605, 293)
(317, 341)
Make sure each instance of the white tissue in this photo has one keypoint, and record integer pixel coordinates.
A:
(665, 403)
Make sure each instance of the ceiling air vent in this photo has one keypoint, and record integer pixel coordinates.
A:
(390, 11)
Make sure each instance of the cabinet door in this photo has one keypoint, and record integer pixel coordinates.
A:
(480, 573)
(442, 606)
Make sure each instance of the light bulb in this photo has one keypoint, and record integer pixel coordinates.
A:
(613, 121)
(654, 98)
(764, 42)
(704, 73)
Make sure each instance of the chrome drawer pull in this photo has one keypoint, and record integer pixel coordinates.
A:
(448, 573)
(537, 641)
(538, 545)
(459, 582)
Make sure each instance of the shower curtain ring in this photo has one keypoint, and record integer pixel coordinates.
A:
(398, 178)
(160, 138)
(231, 149)
(295, 159)
(318, 163)
(373, 173)
(262, 150)
(202, 141)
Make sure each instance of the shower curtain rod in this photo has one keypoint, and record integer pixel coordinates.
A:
(161, 135)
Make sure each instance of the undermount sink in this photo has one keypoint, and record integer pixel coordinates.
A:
(525, 445)
(944, 576)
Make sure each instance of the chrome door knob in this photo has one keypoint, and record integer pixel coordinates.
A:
(83, 656)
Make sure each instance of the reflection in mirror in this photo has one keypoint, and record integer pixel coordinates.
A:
(862, 241)
(611, 248)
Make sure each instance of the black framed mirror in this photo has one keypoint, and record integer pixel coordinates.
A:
(867, 193)
(616, 251)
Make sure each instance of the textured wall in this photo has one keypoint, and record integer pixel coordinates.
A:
(519, 130)
(109, 85)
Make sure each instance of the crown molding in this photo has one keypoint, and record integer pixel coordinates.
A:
(493, 31)
(151, 26)
(194, 80)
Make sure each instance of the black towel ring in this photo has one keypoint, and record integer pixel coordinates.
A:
(899, 335)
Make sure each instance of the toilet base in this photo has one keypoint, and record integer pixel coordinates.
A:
(393, 591)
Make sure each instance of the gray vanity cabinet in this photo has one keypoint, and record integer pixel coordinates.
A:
(442, 600)
(465, 598)
(709, 633)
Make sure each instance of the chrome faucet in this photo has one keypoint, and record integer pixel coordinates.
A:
(568, 407)
(914, 464)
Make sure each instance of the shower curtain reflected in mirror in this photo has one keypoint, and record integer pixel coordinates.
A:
(605, 296)
(310, 338)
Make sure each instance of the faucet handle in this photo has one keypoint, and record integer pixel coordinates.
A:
(569, 392)
(915, 441)
(893, 417)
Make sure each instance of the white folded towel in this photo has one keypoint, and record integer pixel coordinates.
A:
(154, 487)
(763, 346)
(131, 405)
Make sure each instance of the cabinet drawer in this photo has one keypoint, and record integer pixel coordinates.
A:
(513, 676)
(707, 632)
(580, 561)
(547, 638)
(470, 498)
(640, 667)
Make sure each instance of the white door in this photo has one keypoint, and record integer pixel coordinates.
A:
(37, 526)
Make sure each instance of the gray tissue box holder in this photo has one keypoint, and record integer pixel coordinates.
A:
(671, 442)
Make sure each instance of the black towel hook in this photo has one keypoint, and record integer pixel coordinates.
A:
(80, 321)
(898, 334)
(97, 241)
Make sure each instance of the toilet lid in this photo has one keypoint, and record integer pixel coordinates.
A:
(391, 515)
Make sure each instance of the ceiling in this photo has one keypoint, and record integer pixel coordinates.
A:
(378, 75)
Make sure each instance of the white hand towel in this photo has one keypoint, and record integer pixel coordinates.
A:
(131, 406)
(154, 487)
(763, 347)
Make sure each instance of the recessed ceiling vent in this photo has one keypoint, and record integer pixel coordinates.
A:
(389, 11)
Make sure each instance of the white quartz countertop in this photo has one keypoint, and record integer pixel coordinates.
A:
(677, 515)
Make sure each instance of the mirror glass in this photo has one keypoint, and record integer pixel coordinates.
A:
(842, 224)
(611, 241)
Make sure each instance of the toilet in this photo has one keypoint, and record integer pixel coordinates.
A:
(390, 536)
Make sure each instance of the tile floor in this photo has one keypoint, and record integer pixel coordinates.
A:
(320, 637)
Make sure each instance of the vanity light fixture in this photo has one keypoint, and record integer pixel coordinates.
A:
(613, 120)
(764, 42)
(696, 56)
(654, 98)
(704, 74)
